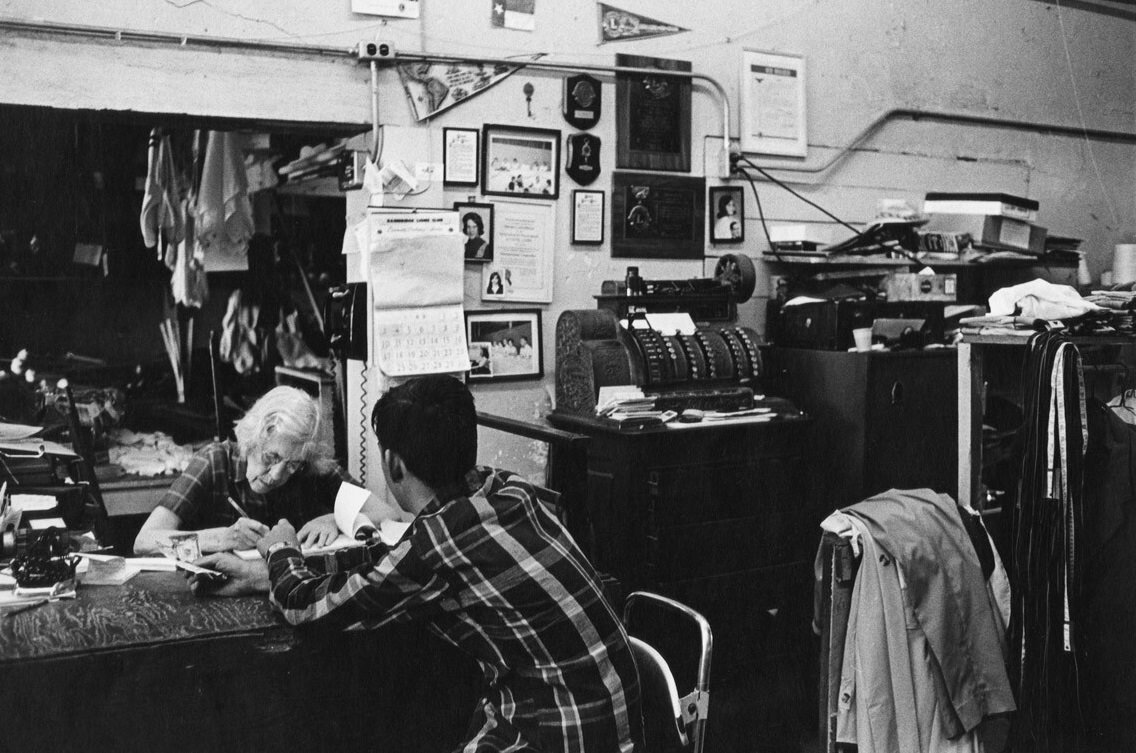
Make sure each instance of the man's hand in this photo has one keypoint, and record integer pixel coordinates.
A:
(319, 531)
(282, 531)
(243, 577)
(243, 534)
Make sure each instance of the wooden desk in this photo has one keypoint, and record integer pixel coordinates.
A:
(149, 666)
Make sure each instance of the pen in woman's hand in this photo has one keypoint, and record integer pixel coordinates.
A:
(237, 507)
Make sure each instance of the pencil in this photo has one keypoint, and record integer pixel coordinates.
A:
(237, 507)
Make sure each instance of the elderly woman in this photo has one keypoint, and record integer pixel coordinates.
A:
(281, 466)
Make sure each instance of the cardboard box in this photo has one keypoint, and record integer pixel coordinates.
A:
(992, 231)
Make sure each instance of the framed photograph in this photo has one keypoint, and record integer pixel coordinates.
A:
(520, 162)
(476, 225)
(524, 242)
(504, 344)
(461, 156)
(657, 216)
(726, 210)
(588, 217)
(773, 103)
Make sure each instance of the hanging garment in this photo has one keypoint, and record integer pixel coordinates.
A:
(241, 343)
(188, 282)
(294, 352)
(223, 213)
(924, 665)
(162, 217)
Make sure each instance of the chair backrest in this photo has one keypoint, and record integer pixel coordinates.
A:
(673, 646)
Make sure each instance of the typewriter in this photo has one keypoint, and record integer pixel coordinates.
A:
(716, 367)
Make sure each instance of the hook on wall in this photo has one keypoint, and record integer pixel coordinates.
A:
(529, 90)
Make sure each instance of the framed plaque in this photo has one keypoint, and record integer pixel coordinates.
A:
(588, 217)
(773, 103)
(657, 216)
(652, 112)
(461, 156)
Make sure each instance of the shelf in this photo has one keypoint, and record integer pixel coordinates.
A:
(975, 262)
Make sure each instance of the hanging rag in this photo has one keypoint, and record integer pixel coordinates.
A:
(241, 342)
(162, 215)
(224, 222)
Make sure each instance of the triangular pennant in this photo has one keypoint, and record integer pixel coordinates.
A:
(434, 87)
(617, 25)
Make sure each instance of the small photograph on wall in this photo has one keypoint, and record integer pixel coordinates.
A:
(725, 210)
(504, 344)
(477, 228)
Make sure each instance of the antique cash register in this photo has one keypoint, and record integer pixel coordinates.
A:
(715, 366)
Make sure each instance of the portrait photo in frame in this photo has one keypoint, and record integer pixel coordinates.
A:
(461, 156)
(520, 162)
(588, 217)
(504, 344)
(726, 211)
(476, 226)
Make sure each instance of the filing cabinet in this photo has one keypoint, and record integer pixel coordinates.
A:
(881, 419)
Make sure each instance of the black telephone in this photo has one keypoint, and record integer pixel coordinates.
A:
(345, 320)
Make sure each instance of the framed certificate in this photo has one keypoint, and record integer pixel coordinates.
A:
(588, 217)
(773, 103)
(461, 156)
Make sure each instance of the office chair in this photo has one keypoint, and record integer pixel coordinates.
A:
(669, 640)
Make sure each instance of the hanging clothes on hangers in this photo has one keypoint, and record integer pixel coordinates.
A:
(163, 215)
(223, 212)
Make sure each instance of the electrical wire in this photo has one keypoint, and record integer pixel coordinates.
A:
(1081, 114)
(363, 426)
(898, 249)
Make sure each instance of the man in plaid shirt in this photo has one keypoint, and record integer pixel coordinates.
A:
(484, 566)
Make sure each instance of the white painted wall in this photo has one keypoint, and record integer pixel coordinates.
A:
(1019, 60)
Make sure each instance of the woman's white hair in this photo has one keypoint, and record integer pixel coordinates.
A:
(294, 416)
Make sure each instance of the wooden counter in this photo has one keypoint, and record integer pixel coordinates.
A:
(149, 666)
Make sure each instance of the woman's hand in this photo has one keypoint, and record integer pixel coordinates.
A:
(319, 531)
(245, 533)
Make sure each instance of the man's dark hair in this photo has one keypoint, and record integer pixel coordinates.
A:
(431, 423)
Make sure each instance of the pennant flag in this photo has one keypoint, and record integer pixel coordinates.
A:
(618, 25)
(434, 87)
(514, 14)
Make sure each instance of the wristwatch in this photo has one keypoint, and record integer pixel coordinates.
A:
(275, 547)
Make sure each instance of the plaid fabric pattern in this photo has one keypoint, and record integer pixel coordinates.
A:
(198, 496)
(496, 575)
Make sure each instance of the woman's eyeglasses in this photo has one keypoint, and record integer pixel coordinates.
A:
(271, 461)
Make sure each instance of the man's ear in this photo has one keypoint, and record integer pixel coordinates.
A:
(394, 466)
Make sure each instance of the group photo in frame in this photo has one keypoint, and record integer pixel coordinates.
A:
(519, 161)
(504, 344)
(475, 221)
(461, 156)
(726, 210)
